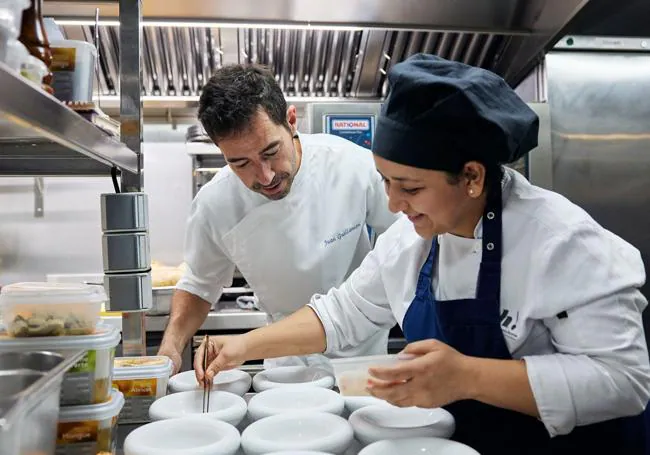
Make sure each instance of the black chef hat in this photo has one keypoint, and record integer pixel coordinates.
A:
(440, 114)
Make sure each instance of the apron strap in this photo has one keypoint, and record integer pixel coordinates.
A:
(423, 289)
(489, 278)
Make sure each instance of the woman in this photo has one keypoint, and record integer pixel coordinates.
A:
(523, 314)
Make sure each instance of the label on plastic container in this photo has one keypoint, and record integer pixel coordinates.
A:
(63, 59)
(77, 438)
(86, 437)
(63, 67)
(139, 395)
(78, 385)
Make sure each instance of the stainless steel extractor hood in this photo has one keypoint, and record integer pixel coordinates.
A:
(332, 48)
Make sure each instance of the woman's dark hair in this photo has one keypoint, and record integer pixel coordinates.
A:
(234, 94)
(493, 175)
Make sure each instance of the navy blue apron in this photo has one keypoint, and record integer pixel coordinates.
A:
(473, 327)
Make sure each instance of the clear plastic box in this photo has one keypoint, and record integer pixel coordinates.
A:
(51, 309)
(142, 380)
(352, 373)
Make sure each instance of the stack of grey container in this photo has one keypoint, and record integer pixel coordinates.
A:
(127, 264)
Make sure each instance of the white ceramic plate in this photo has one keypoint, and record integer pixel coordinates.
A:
(187, 435)
(319, 431)
(378, 422)
(290, 399)
(290, 376)
(224, 406)
(418, 446)
(233, 381)
(354, 403)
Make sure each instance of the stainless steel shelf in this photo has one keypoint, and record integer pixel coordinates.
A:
(35, 118)
(219, 320)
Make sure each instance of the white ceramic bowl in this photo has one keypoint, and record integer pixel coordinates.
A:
(187, 435)
(233, 381)
(354, 403)
(299, 452)
(418, 446)
(291, 376)
(291, 399)
(379, 422)
(319, 431)
(224, 406)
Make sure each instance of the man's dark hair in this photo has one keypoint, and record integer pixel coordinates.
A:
(234, 94)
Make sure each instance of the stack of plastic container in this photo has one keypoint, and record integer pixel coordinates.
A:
(64, 318)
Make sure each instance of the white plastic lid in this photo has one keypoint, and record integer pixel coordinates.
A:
(77, 44)
(104, 337)
(51, 293)
(101, 411)
(139, 367)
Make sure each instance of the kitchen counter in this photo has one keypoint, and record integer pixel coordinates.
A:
(216, 320)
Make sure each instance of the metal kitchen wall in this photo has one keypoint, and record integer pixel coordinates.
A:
(598, 92)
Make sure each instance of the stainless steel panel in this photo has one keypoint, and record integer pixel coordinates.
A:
(126, 252)
(36, 361)
(311, 58)
(162, 301)
(540, 159)
(600, 120)
(215, 321)
(124, 212)
(29, 408)
(463, 15)
(41, 115)
(130, 76)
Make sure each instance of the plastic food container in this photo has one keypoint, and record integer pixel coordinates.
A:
(352, 373)
(51, 309)
(73, 67)
(142, 380)
(89, 380)
(89, 430)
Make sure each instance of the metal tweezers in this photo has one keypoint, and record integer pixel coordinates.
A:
(206, 387)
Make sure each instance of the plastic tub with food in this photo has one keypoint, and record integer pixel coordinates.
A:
(89, 430)
(352, 373)
(51, 309)
(89, 380)
(142, 380)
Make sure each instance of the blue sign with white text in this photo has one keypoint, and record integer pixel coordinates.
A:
(356, 128)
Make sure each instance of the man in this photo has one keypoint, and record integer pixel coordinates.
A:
(290, 211)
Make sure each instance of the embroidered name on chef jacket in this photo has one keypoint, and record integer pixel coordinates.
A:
(338, 236)
(509, 324)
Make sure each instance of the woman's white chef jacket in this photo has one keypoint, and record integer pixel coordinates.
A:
(589, 366)
(290, 249)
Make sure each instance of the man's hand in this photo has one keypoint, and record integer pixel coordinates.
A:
(224, 353)
(174, 355)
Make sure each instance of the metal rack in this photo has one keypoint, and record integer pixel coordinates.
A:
(41, 136)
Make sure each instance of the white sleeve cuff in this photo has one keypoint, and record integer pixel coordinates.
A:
(552, 394)
(211, 296)
(330, 331)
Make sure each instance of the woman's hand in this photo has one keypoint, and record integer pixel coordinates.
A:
(224, 353)
(436, 376)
